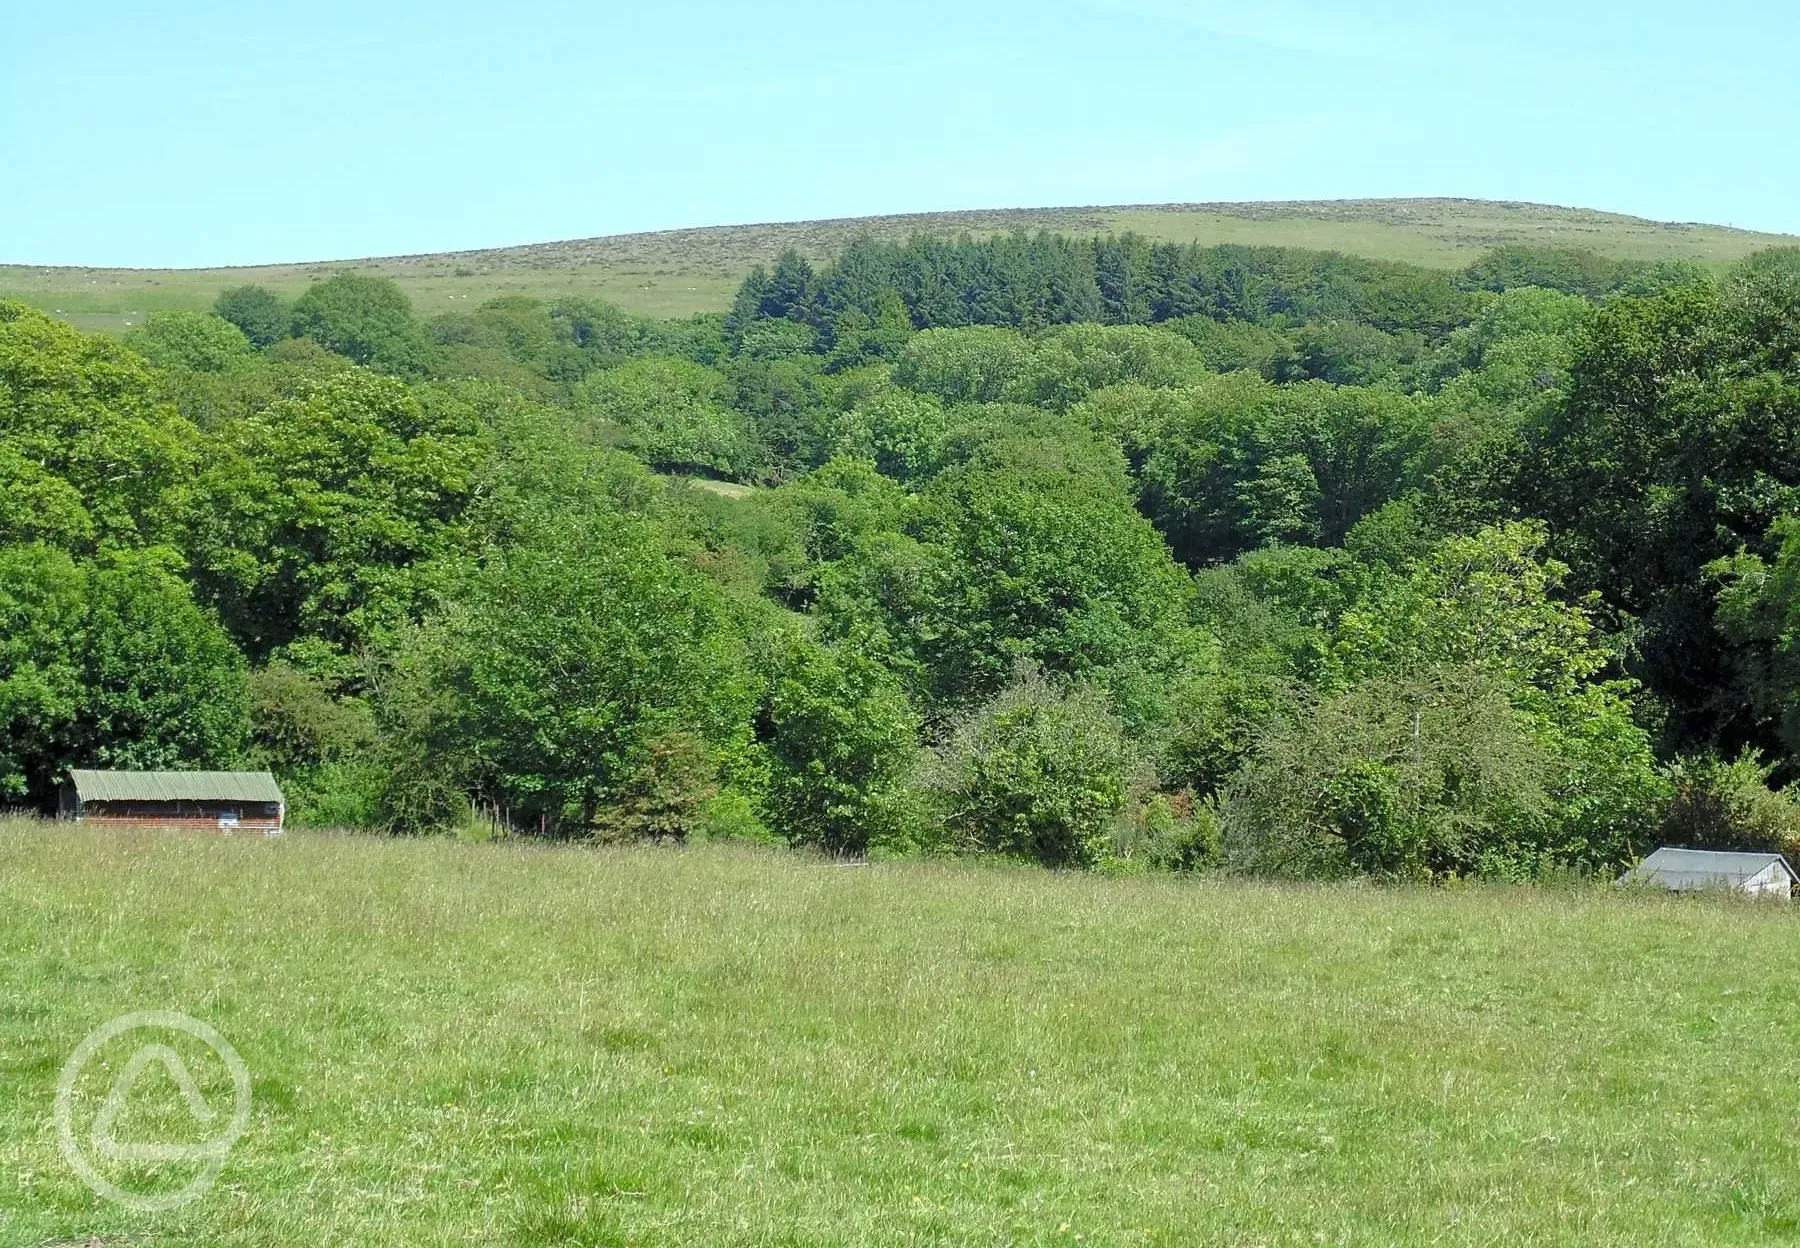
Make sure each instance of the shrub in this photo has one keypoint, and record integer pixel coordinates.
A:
(842, 743)
(296, 722)
(1429, 775)
(1043, 771)
(665, 794)
(335, 795)
(1721, 805)
(1173, 832)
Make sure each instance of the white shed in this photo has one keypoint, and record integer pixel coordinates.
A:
(1686, 870)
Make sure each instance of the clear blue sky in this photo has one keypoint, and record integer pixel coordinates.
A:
(234, 131)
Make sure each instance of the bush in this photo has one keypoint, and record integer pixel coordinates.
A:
(1173, 832)
(345, 794)
(1045, 772)
(296, 722)
(1432, 775)
(665, 794)
(1721, 805)
(842, 743)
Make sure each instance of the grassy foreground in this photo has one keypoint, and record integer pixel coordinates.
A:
(458, 1044)
(679, 272)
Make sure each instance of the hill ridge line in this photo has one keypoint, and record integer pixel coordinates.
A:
(1371, 210)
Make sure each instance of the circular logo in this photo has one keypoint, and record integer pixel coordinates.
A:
(102, 1143)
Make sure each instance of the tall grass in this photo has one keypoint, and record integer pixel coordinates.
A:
(505, 1044)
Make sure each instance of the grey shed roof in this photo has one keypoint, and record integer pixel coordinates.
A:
(175, 786)
(1699, 868)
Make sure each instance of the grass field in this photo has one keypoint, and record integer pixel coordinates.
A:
(461, 1044)
(677, 272)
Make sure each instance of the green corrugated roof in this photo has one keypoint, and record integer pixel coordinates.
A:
(175, 786)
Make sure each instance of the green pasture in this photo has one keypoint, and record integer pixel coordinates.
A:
(456, 1044)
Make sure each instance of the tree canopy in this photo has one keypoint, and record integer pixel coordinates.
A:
(1093, 552)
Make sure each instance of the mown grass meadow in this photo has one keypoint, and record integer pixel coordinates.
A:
(506, 1044)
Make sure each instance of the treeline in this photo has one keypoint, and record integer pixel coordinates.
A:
(1034, 282)
(1342, 567)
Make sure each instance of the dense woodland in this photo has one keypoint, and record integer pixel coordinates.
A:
(1082, 551)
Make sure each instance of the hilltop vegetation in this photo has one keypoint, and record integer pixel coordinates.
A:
(1091, 552)
(680, 272)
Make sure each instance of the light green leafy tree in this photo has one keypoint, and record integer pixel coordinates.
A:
(674, 413)
(579, 674)
(977, 364)
(87, 450)
(902, 432)
(999, 565)
(316, 516)
(843, 746)
(1462, 722)
(194, 342)
(1075, 360)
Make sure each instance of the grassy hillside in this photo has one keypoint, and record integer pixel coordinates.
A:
(455, 1044)
(677, 272)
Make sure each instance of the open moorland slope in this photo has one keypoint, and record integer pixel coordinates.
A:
(676, 272)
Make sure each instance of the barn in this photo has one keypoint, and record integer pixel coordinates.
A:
(222, 801)
(1688, 870)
